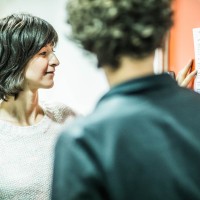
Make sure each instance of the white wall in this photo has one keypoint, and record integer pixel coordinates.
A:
(77, 81)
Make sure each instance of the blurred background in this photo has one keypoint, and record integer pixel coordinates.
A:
(78, 83)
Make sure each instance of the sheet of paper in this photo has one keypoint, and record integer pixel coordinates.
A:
(196, 39)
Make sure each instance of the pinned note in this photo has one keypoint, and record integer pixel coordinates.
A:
(196, 39)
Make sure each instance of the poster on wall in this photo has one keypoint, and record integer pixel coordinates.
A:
(196, 39)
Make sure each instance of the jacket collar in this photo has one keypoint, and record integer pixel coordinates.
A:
(135, 86)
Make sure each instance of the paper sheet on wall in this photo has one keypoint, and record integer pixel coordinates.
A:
(196, 39)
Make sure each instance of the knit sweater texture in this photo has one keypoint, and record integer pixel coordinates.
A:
(27, 154)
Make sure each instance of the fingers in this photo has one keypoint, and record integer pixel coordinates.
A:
(187, 67)
(183, 73)
(188, 79)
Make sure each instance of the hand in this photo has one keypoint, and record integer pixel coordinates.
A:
(185, 76)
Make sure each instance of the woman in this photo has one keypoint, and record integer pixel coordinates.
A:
(28, 128)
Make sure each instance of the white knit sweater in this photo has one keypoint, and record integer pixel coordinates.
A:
(26, 155)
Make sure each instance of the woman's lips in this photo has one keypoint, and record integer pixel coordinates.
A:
(50, 72)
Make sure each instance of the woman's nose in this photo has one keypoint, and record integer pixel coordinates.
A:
(53, 60)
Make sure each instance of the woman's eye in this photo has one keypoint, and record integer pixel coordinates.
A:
(44, 53)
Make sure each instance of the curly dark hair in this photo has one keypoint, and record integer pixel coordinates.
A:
(21, 37)
(113, 28)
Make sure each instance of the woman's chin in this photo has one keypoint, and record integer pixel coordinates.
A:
(48, 86)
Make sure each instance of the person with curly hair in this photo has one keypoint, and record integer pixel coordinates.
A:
(29, 127)
(141, 141)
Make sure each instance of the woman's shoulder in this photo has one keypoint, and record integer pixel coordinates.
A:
(58, 111)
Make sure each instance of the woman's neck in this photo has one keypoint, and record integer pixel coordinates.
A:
(24, 111)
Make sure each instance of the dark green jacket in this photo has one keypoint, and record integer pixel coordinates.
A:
(142, 142)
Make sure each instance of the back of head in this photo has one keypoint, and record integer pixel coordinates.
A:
(114, 28)
(21, 37)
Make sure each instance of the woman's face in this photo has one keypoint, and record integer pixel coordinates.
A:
(39, 71)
